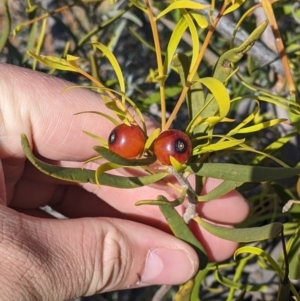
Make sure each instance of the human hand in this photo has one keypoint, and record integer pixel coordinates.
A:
(107, 243)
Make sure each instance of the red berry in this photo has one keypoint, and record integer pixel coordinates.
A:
(172, 143)
(127, 141)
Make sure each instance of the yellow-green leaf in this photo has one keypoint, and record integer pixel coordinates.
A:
(182, 4)
(195, 38)
(100, 139)
(103, 168)
(219, 92)
(233, 7)
(108, 117)
(113, 61)
(248, 119)
(175, 38)
(200, 19)
(261, 126)
(219, 146)
(54, 62)
(151, 138)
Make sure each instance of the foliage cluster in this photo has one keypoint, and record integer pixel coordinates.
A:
(238, 100)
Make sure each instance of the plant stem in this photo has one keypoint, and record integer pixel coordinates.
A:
(194, 68)
(161, 76)
(191, 209)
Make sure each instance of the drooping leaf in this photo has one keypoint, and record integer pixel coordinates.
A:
(244, 235)
(182, 231)
(242, 173)
(222, 189)
(236, 285)
(80, 175)
(113, 61)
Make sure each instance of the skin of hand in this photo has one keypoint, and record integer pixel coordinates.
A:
(106, 243)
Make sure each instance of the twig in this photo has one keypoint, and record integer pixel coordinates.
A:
(160, 293)
(191, 209)
(259, 51)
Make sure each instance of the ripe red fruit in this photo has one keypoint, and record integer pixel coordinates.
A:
(172, 143)
(127, 141)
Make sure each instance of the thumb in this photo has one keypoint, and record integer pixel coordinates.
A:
(47, 259)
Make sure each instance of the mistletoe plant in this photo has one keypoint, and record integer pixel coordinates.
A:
(166, 152)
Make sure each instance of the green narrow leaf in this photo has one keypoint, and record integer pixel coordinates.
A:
(30, 40)
(182, 231)
(80, 175)
(293, 247)
(273, 147)
(162, 201)
(284, 291)
(114, 158)
(242, 173)
(7, 25)
(222, 189)
(236, 285)
(199, 278)
(244, 235)
(295, 118)
(40, 41)
(267, 257)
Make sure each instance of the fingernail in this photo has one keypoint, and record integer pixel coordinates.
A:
(168, 266)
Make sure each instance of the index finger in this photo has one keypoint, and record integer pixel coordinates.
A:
(39, 106)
